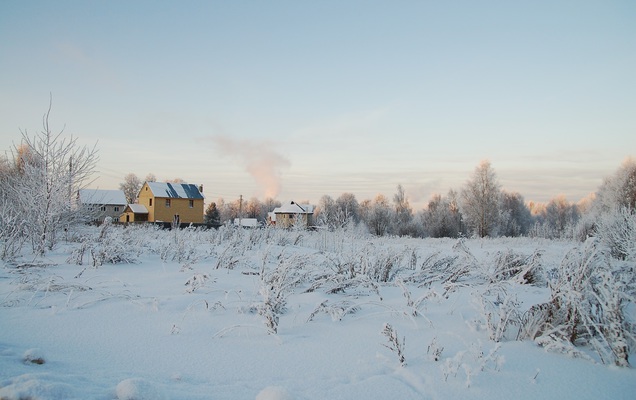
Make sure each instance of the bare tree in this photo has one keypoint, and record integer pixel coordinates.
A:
(514, 217)
(131, 186)
(348, 208)
(441, 218)
(151, 177)
(379, 216)
(561, 216)
(403, 214)
(326, 212)
(175, 180)
(480, 201)
(43, 191)
(253, 208)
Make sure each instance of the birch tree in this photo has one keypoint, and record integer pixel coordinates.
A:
(480, 201)
(403, 213)
(379, 216)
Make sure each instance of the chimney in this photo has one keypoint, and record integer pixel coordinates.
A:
(201, 188)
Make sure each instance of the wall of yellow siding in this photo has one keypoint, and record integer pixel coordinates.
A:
(180, 207)
(145, 195)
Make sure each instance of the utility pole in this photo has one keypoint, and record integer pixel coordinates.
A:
(240, 210)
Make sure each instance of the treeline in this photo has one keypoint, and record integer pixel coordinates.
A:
(481, 208)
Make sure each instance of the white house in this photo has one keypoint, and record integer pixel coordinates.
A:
(99, 204)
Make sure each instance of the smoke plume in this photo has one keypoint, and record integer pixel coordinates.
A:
(260, 159)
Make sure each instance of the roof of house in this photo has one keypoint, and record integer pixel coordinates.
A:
(138, 208)
(294, 208)
(175, 190)
(100, 196)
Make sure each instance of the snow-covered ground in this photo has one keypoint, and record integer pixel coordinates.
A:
(266, 314)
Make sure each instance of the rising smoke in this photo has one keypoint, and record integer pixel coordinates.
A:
(260, 159)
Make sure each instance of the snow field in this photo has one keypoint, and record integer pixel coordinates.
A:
(162, 328)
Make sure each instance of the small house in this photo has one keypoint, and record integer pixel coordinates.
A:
(134, 213)
(98, 204)
(288, 215)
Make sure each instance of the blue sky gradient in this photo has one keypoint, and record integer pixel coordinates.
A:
(301, 99)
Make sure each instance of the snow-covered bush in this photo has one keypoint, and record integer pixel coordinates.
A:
(277, 285)
(499, 309)
(180, 245)
(509, 265)
(112, 245)
(587, 307)
(617, 230)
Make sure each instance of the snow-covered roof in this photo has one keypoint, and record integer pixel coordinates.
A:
(175, 190)
(294, 208)
(138, 208)
(100, 196)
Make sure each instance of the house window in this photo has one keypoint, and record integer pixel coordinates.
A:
(116, 209)
(168, 203)
(191, 203)
(150, 202)
(102, 208)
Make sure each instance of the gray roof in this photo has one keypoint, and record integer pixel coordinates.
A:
(138, 208)
(175, 190)
(102, 197)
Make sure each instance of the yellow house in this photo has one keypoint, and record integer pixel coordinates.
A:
(134, 213)
(172, 202)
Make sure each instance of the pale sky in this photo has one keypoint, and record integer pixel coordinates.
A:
(298, 99)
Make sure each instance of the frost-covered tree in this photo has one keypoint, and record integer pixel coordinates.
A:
(612, 217)
(379, 216)
(557, 219)
(561, 216)
(618, 190)
(326, 212)
(131, 186)
(441, 217)
(253, 208)
(480, 200)
(44, 187)
(151, 177)
(515, 218)
(337, 213)
(12, 225)
(403, 221)
(348, 208)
